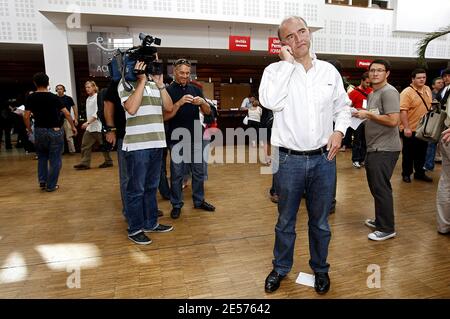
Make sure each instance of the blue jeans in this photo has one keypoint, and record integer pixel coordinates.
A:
(315, 176)
(192, 160)
(143, 168)
(49, 147)
(123, 175)
(429, 158)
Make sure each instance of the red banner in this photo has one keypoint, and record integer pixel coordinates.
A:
(239, 43)
(274, 45)
(363, 64)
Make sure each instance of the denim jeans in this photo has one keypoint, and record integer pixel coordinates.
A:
(123, 175)
(143, 168)
(191, 159)
(49, 147)
(315, 176)
(429, 158)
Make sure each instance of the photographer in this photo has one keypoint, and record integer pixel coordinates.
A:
(143, 143)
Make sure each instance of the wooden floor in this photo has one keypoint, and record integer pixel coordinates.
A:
(77, 235)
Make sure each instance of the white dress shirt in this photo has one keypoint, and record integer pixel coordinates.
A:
(304, 104)
(91, 111)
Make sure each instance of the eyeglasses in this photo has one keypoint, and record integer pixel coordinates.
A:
(377, 70)
(182, 61)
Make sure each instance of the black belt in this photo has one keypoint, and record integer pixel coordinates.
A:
(318, 151)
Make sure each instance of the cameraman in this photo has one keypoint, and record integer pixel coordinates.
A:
(143, 143)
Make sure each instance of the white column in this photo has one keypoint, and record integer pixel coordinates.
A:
(58, 56)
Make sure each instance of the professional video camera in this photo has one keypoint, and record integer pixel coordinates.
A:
(146, 53)
(122, 63)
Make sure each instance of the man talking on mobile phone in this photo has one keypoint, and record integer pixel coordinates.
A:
(306, 95)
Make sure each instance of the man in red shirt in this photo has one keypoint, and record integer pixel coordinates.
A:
(358, 96)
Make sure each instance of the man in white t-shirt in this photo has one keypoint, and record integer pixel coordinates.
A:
(93, 132)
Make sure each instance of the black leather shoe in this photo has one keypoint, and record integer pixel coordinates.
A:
(321, 282)
(206, 206)
(406, 179)
(273, 281)
(424, 178)
(175, 213)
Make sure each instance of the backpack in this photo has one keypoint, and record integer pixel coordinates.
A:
(121, 67)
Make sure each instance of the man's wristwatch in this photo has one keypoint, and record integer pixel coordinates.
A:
(110, 129)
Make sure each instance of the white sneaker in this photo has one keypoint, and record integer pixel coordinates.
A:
(379, 235)
(356, 164)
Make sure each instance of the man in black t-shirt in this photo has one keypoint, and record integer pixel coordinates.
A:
(48, 135)
(186, 150)
(114, 125)
(68, 103)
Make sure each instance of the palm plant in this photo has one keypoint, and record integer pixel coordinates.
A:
(423, 44)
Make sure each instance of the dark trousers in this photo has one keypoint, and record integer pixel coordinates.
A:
(347, 140)
(414, 153)
(359, 144)
(190, 155)
(7, 129)
(164, 188)
(379, 169)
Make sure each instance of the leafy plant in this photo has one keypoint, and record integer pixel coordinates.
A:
(423, 44)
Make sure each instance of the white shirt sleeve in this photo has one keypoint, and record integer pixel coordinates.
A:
(273, 90)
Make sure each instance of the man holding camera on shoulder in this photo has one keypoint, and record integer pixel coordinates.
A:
(143, 143)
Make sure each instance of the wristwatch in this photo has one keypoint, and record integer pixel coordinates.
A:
(110, 129)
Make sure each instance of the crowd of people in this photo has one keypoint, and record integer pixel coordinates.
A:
(303, 104)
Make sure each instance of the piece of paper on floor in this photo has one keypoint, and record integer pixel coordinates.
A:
(305, 279)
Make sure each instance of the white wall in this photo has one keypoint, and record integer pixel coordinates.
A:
(346, 30)
(372, 32)
(421, 16)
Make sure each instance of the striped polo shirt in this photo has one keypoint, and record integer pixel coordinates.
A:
(145, 129)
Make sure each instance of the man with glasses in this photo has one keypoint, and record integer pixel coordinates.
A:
(306, 95)
(383, 147)
(185, 138)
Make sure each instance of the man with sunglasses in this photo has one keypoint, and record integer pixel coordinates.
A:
(185, 138)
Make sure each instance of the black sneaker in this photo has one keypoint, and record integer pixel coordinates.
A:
(140, 239)
(43, 185)
(160, 229)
